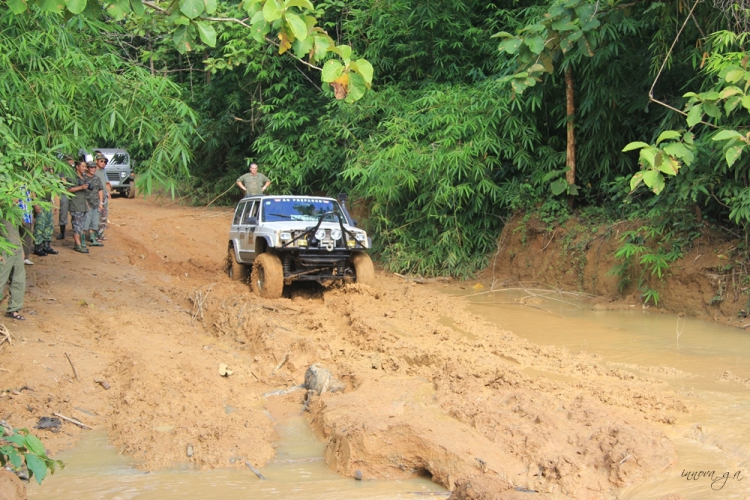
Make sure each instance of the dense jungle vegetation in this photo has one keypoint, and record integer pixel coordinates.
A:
(443, 117)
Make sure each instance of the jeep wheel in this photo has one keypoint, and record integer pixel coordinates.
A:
(131, 191)
(363, 268)
(268, 276)
(235, 270)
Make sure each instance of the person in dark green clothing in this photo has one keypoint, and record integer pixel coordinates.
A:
(43, 226)
(11, 269)
(95, 200)
(78, 206)
(253, 183)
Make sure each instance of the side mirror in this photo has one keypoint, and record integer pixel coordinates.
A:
(252, 221)
(354, 222)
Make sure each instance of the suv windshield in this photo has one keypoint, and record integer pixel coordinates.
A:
(119, 159)
(305, 209)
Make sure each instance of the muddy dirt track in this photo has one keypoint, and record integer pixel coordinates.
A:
(430, 389)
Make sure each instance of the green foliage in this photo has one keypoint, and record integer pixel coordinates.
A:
(23, 448)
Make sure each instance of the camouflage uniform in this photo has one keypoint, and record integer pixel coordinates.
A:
(43, 227)
(78, 207)
(92, 200)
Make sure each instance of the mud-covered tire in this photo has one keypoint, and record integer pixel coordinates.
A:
(267, 278)
(363, 268)
(235, 270)
(131, 191)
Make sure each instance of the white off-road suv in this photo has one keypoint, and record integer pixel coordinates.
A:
(280, 239)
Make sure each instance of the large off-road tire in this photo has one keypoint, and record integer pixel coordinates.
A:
(235, 270)
(267, 279)
(363, 268)
(131, 191)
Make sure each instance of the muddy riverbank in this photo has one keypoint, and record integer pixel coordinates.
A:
(432, 390)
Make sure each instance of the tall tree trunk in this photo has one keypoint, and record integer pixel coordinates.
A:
(570, 175)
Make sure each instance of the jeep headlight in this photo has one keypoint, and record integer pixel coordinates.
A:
(285, 236)
(123, 175)
(336, 234)
(360, 236)
(320, 234)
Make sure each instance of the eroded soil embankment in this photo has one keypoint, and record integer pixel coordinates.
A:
(430, 388)
(709, 281)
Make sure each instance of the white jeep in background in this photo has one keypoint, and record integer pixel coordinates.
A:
(280, 239)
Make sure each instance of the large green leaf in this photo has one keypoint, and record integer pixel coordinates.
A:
(635, 145)
(585, 11)
(510, 46)
(332, 69)
(559, 186)
(36, 466)
(678, 150)
(357, 88)
(206, 32)
(322, 44)
(137, 6)
(637, 179)
(746, 102)
(667, 134)
(192, 8)
(303, 47)
(734, 76)
(76, 6)
(734, 153)
(303, 4)
(271, 11)
(364, 68)
(17, 6)
(181, 39)
(210, 6)
(726, 134)
(694, 115)
(55, 6)
(711, 109)
(535, 43)
(33, 443)
(297, 25)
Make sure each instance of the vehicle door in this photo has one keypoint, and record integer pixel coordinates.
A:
(246, 230)
(234, 231)
(250, 224)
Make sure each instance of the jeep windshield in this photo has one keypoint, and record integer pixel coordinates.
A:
(299, 209)
(119, 159)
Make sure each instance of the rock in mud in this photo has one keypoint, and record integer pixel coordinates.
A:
(11, 488)
(491, 488)
(321, 380)
(189, 451)
(49, 423)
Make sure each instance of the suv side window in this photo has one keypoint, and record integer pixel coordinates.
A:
(238, 213)
(252, 211)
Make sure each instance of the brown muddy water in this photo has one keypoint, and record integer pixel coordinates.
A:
(95, 471)
(689, 354)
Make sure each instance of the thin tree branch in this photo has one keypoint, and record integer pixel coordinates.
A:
(664, 63)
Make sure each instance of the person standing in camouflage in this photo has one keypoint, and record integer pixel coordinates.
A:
(253, 183)
(78, 207)
(63, 218)
(95, 201)
(101, 162)
(11, 269)
(43, 227)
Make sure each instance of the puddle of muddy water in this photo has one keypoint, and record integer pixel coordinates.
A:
(95, 471)
(714, 436)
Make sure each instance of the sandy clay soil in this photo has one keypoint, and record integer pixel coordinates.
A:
(430, 389)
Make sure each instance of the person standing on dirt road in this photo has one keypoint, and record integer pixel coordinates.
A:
(79, 207)
(101, 162)
(63, 218)
(95, 200)
(43, 226)
(11, 269)
(253, 182)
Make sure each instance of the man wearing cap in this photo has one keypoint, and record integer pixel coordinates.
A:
(95, 201)
(253, 183)
(101, 162)
(78, 206)
(63, 218)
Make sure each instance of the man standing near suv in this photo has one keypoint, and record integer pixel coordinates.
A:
(63, 221)
(95, 200)
(101, 162)
(253, 183)
(78, 207)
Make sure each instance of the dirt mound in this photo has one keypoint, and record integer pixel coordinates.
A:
(705, 282)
